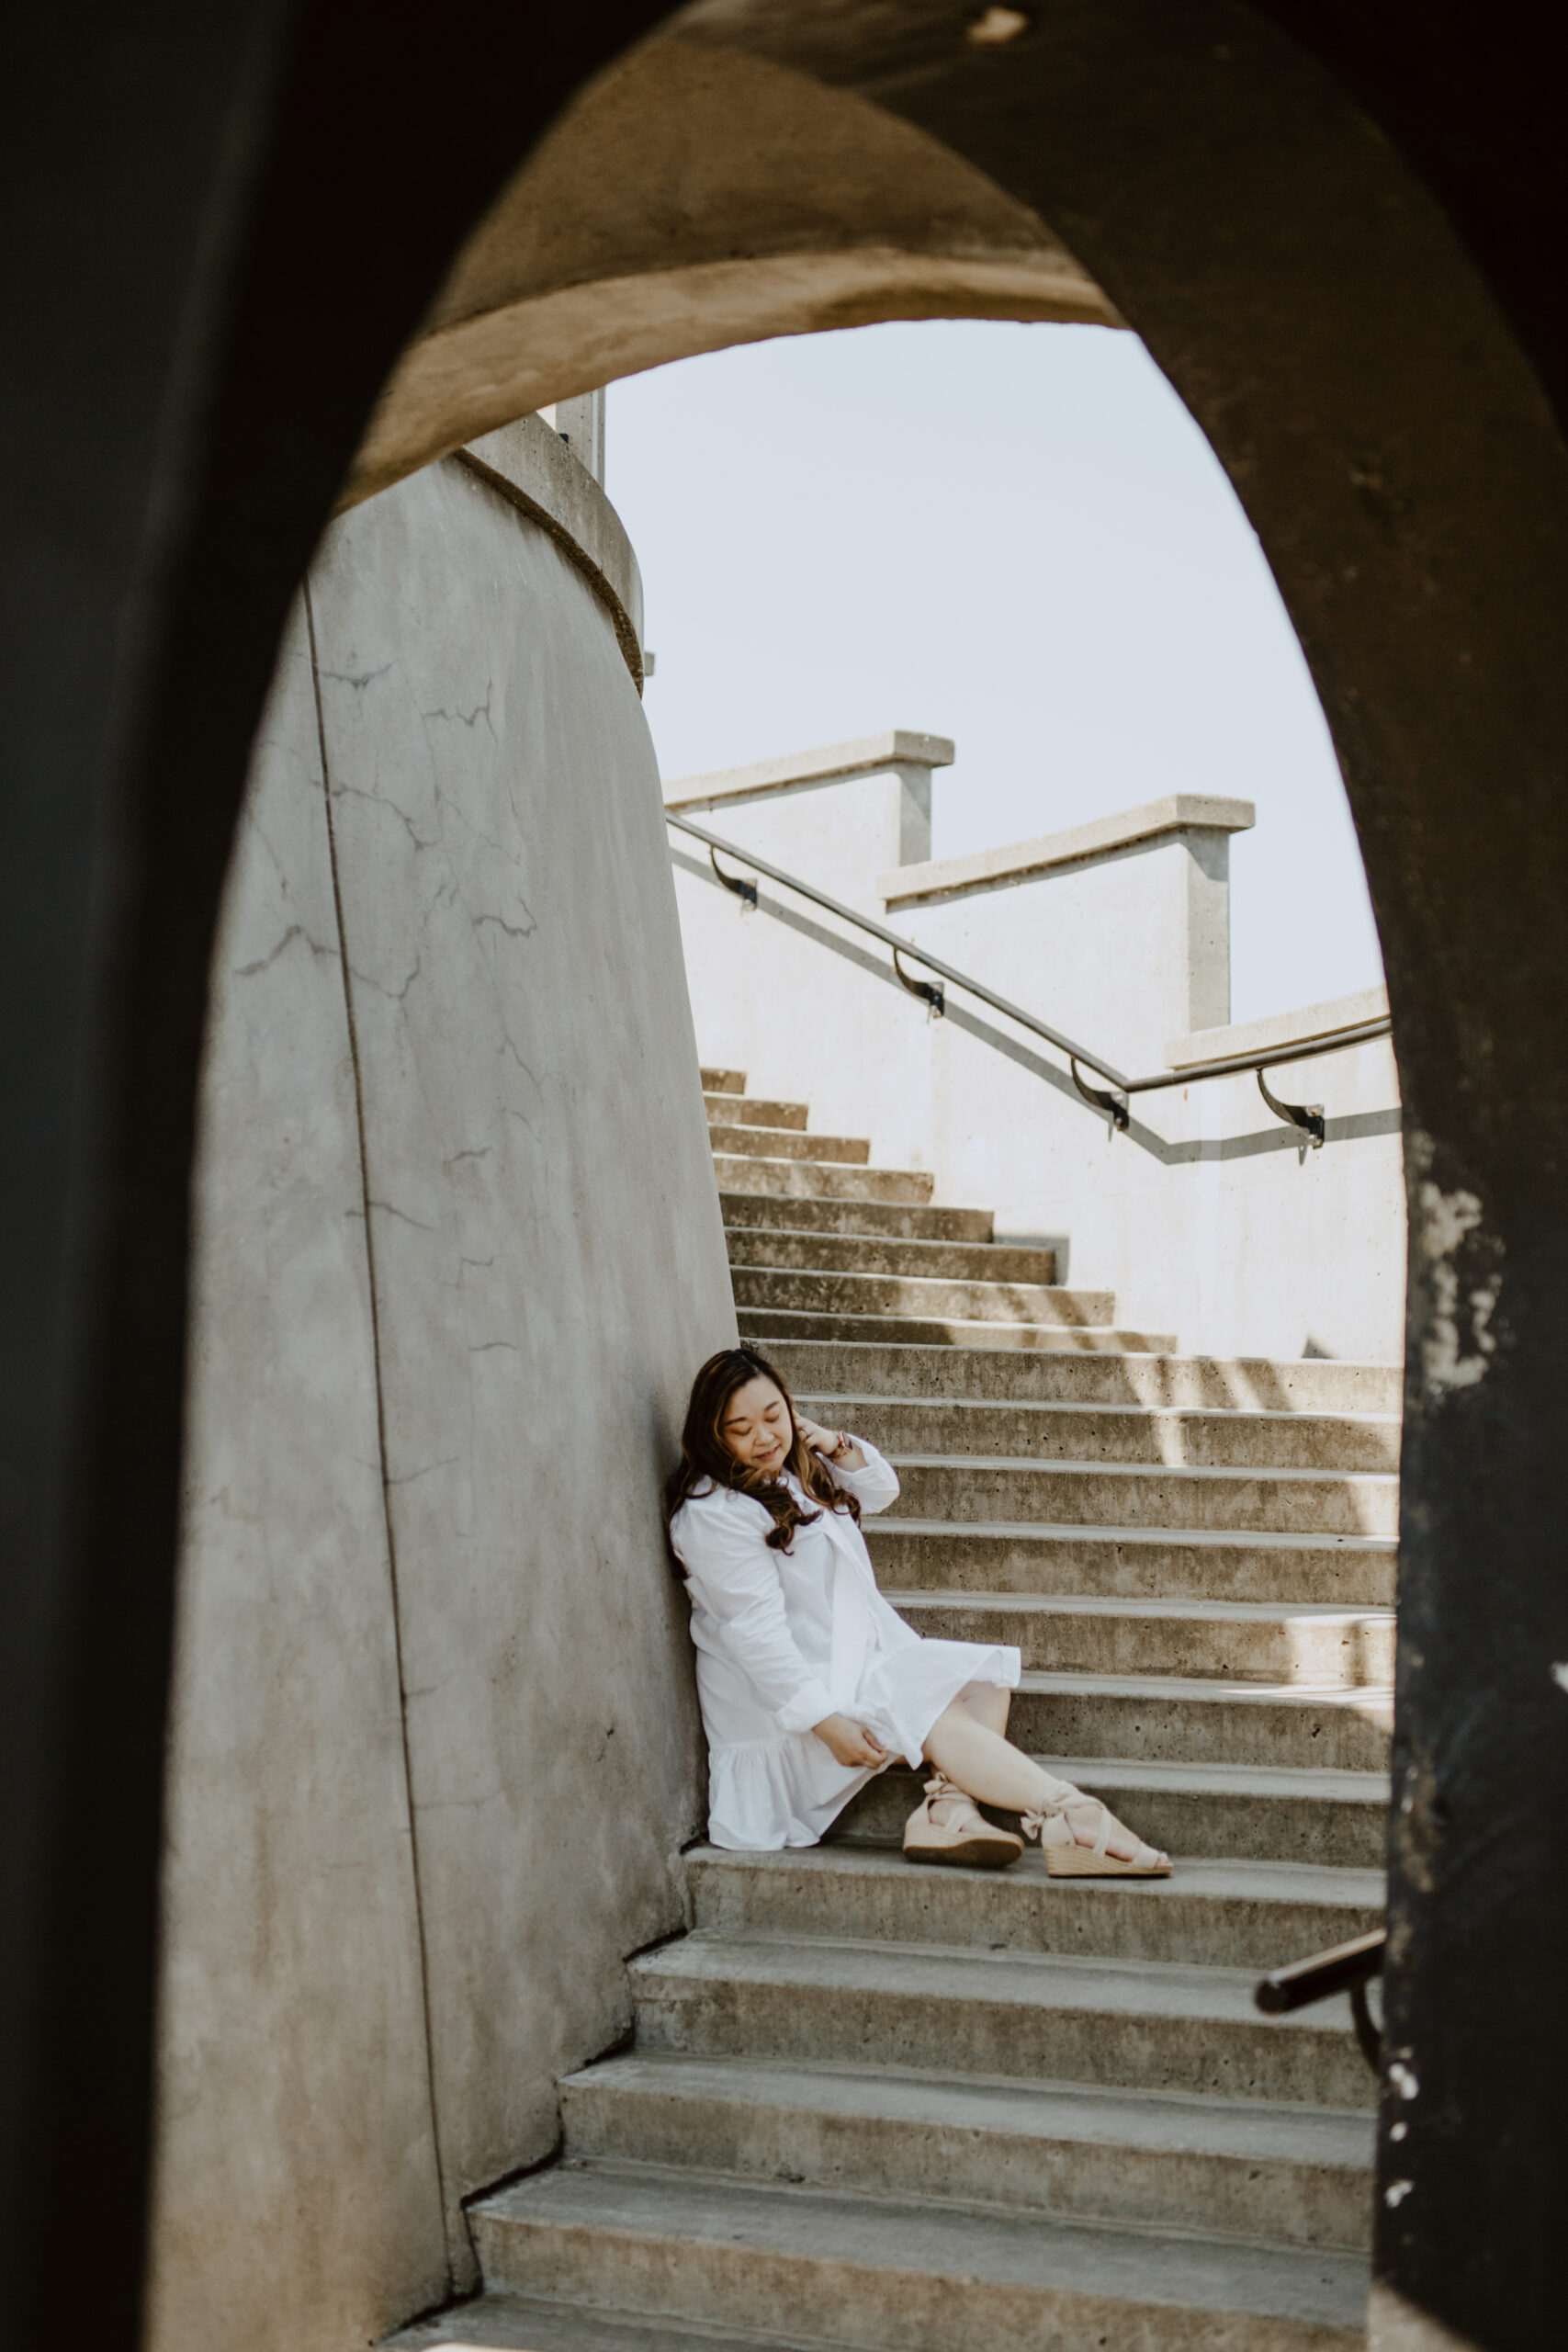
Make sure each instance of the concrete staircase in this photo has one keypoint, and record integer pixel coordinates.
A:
(909, 2109)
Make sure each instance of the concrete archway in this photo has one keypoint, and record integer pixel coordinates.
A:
(1388, 425)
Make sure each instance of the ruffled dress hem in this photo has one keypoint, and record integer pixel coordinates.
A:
(795, 1788)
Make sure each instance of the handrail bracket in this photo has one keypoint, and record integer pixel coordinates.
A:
(1113, 1099)
(1115, 1105)
(745, 891)
(1308, 1116)
(931, 992)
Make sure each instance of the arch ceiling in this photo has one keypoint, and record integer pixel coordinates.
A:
(696, 196)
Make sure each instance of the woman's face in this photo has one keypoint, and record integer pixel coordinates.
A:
(757, 1427)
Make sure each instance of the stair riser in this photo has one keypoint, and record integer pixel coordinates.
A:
(1263, 1502)
(1007, 1910)
(790, 1324)
(902, 1370)
(816, 1179)
(1290, 1733)
(851, 1294)
(788, 1143)
(725, 1111)
(1195, 1441)
(1294, 2204)
(1317, 2064)
(1343, 1652)
(859, 2305)
(889, 1219)
(970, 1559)
(784, 1251)
(1344, 1835)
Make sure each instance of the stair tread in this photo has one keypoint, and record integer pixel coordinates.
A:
(892, 2238)
(1101, 1532)
(1218, 1881)
(1102, 1339)
(1058, 1464)
(839, 1361)
(734, 1134)
(503, 2323)
(1240, 1779)
(1080, 1604)
(1068, 1406)
(1037, 1981)
(1205, 1691)
(909, 2097)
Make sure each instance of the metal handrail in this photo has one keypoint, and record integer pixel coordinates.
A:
(1307, 1116)
(1344, 1968)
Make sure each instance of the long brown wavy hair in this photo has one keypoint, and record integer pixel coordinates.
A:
(705, 1455)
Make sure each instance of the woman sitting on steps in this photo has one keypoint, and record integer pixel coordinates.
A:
(810, 1683)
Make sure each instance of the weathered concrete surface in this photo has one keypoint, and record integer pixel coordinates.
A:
(766, 204)
(297, 2195)
(440, 1433)
(534, 470)
(549, 1267)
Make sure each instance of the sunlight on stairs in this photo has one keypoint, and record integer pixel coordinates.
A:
(908, 2110)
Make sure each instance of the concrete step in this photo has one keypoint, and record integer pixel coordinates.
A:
(723, 1081)
(503, 2323)
(1208, 1914)
(1254, 1813)
(1179, 1436)
(878, 1253)
(1238, 1641)
(982, 1486)
(889, 2274)
(1144, 2025)
(751, 1111)
(828, 1293)
(820, 1180)
(1217, 1564)
(899, 1369)
(1170, 1719)
(764, 1322)
(891, 1217)
(1299, 2175)
(789, 1143)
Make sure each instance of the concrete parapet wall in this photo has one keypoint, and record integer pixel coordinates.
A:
(434, 1735)
(1210, 1218)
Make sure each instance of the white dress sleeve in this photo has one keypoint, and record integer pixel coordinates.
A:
(732, 1575)
(874, 1487)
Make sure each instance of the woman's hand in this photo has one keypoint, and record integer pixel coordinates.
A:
(827, 1441)
(849, 1742)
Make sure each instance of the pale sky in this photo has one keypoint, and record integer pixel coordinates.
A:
(1013, 535)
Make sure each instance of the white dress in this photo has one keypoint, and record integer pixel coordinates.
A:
(784, 1638)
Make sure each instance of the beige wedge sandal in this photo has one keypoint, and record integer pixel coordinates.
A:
(1069, 1854)
(964, 1835)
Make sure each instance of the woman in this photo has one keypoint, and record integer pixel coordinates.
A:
(810, 1683)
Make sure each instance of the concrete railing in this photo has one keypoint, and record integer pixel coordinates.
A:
(1206, 1213)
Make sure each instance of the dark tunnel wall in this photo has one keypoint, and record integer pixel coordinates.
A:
(221, 228)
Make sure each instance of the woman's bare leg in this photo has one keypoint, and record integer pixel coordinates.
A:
(989, 1767)
(981, 1762)
(989, 1703)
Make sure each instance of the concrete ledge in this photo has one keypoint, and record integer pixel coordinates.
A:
(991, 869)
(898, 747)
(534, 470)
(1305, 1026)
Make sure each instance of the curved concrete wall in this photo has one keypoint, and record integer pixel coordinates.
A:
(434, 1736)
